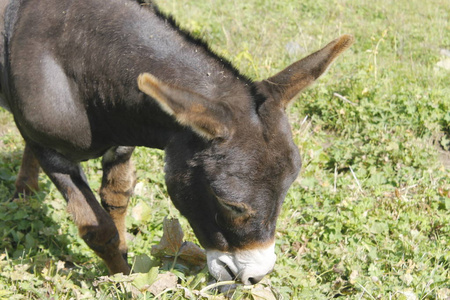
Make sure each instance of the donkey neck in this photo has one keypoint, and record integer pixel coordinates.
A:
(141, 40)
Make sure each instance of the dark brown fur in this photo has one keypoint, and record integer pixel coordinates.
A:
(70, 77)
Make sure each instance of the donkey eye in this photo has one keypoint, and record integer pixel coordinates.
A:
(235, 208)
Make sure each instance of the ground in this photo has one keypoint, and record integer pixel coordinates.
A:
(367, 218)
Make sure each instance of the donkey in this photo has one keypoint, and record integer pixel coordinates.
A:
(86, 79)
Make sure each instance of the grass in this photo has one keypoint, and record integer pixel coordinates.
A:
(369, 215)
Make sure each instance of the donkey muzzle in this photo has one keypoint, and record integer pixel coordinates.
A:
(247, 266)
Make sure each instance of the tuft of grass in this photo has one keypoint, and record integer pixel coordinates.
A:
(368, 217)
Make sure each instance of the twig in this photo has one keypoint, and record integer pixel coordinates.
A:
(335, 178)
(356, 179)
(304, 120)
(364, 290)
(164, 292)
(344, 99)
(214, 285)
(406, 188)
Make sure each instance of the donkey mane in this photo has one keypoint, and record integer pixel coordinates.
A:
(194, 40)
(259, 99)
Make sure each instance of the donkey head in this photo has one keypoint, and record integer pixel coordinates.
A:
(229, 172)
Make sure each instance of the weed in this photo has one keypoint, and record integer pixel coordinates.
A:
(368, 217)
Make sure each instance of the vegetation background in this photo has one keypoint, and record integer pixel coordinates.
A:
(369, 215)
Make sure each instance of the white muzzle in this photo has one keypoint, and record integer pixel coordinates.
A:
(246, 266)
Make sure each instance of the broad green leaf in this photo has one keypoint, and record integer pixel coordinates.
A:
(144, 280)
(142, 263)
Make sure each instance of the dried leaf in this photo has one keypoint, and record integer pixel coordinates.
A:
(163, 282)
(171, 240)
(260, 292)
(192, 254)
(171, 248)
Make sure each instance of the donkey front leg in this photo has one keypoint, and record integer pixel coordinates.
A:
(117, 186)
(95, 225)
(27, 179)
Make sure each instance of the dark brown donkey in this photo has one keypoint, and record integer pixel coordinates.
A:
(85, 79)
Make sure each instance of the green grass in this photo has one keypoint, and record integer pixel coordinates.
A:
(369, 215)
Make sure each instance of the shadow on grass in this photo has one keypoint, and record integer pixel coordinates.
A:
(36, 231)
(9, 168)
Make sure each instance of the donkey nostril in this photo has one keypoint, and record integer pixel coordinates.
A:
(255, 280)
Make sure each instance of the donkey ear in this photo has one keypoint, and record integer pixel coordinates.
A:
(188, 108)
(288, 83)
